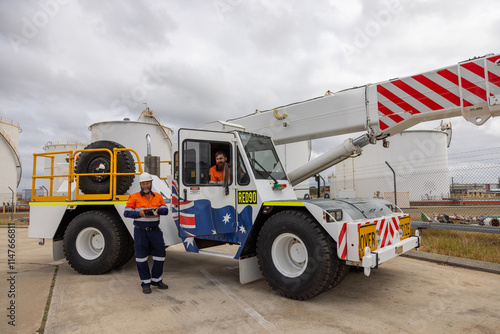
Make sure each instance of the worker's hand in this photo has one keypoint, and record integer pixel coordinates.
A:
(141, 213)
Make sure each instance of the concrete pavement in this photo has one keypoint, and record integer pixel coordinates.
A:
(204, 296)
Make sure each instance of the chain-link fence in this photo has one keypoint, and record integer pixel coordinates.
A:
(12, 208)
(458, 208)
(7, 200)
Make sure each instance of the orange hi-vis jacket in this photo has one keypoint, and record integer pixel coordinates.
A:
(216, 175)
(138, 201)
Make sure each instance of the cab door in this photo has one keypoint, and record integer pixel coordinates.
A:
(205, 207)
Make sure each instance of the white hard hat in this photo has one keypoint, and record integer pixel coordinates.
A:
(145, 177)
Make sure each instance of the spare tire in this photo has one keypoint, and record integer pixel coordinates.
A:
(100, 162)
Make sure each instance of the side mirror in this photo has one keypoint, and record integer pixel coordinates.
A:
(226, 179)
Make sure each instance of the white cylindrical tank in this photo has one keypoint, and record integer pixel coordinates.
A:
(293, 156)
(419, 159)
(61, 165)
(10, 163)
(132, 134)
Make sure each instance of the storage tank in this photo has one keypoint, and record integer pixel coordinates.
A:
(419, 159)
(10, 162)
(293, 156)
(132, 134)
(60, 185)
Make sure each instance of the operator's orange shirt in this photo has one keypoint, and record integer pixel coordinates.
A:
(218, 176)
(138, 201)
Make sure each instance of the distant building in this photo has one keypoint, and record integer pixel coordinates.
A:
(474, 190)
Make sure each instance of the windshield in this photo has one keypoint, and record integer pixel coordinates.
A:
(262, 156)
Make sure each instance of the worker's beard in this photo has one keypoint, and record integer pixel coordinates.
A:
(220, 166)
(146, 190)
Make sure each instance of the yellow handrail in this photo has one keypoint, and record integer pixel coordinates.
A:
(75, 177)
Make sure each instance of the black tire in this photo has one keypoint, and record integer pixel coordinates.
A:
(127, 250)
(295, 255)
(339, 275)
(89, 162)
(93, 243)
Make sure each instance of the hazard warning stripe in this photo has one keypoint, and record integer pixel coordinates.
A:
(343, 242)
(474, 68)
(494, 79)
(474, 89)
(466, 85)
(417, 95)
(493, 75)
(397, 100)
(387, 229)
(387, 112)
(494, 58)
(440, 90)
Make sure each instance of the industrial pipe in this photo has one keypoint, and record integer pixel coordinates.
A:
(148, 145)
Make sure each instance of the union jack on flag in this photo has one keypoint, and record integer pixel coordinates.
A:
(199, 218)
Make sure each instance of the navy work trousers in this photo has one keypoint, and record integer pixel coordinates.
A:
(149, 243)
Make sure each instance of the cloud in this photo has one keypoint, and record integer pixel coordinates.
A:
(68, 64)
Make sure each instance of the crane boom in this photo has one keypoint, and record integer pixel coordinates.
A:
(470, 89)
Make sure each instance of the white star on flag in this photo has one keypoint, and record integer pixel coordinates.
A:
(214, 232)
(189, 242)
(242, 229)
(226, 218)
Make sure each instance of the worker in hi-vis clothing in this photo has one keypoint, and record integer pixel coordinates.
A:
(145, 207)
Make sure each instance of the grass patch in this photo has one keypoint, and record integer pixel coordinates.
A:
(8, 221)
(5, 218)
(468, 245)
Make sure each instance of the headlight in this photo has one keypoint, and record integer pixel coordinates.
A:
(332, 216)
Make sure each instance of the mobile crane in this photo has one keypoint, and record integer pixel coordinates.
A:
(301, 247)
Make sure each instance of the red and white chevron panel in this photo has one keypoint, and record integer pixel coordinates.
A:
(342, 242)
(399, 99)
(348, 241)
(388, 228)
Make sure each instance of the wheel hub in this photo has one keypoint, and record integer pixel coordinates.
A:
(97, 166)
(90, 243)
(297, 252)
(289, 255)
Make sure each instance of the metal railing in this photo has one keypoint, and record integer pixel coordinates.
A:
(456, 227)
(75, 177)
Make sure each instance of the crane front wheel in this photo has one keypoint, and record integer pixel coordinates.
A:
(295, 255)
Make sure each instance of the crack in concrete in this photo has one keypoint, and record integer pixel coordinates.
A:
(47, 305)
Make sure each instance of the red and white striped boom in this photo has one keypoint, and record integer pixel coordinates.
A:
(470, 89)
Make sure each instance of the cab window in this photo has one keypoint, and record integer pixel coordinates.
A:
(242, 174)
(176, 166)
(197, 159)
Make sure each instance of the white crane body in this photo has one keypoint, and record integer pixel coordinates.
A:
(301, 247)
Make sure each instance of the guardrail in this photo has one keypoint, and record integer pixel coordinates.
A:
(456, 227)
(71, 176)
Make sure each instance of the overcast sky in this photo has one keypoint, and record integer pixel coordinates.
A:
(66, 64)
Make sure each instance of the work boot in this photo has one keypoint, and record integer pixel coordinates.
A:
(161, 285)
(146, 289)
